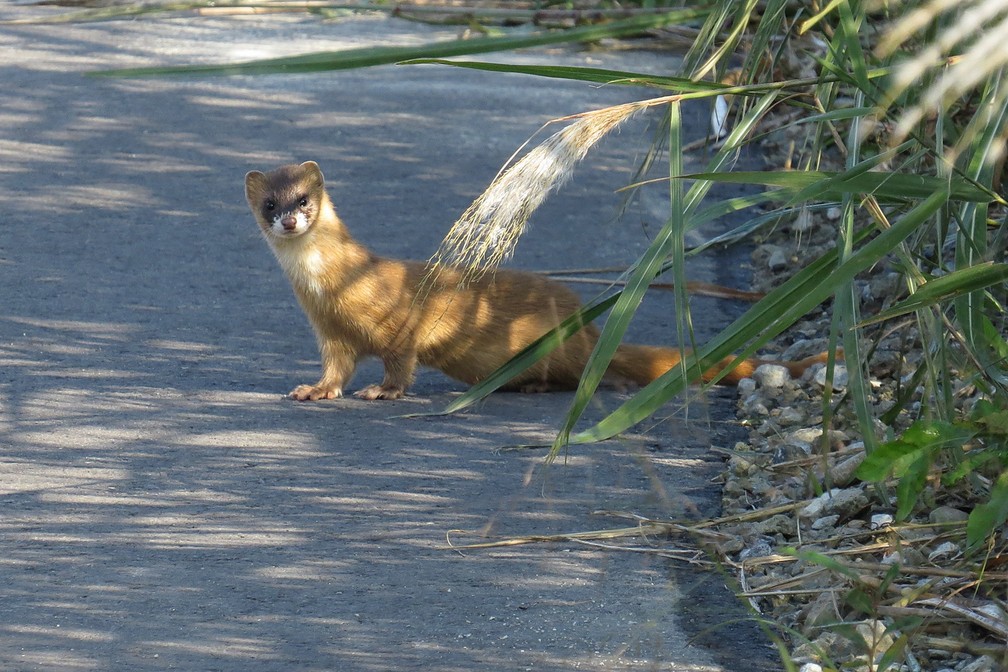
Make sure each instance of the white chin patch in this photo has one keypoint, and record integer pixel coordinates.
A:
(300, 225)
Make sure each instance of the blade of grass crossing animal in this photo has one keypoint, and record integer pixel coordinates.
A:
(733, 339)
(653, 260)
(619, 318)
(745, 329)
(531, 354)
(769, 317)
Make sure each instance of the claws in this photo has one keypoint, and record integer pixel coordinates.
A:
(315, 393)
(379, 392)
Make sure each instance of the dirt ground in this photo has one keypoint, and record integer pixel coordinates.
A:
(164, 507)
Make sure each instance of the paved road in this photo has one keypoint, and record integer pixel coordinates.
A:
(165, 508)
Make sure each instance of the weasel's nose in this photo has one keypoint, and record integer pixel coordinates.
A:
(289, 222)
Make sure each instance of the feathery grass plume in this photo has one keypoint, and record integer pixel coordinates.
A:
(487, 232)
(968, 48)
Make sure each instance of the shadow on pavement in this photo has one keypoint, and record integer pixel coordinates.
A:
(165, 508)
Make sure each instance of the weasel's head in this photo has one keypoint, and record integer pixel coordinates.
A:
(287, 201)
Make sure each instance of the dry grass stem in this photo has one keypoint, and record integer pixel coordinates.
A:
(642, 530)
(697, 288)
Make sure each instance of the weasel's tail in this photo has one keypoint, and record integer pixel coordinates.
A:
(643, 363)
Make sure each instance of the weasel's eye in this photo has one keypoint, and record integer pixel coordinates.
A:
(303, 202)
(270, 205)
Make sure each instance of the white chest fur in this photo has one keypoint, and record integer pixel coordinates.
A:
(304, 266)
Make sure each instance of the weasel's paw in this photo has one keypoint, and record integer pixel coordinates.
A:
(315, 393)
(379, 392)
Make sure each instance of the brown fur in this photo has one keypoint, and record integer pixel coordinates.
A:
(362, 305)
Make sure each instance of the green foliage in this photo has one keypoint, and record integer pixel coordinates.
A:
(979, 441)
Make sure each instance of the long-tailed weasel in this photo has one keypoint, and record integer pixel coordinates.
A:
(362, 305)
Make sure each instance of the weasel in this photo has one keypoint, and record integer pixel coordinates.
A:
(361, 305)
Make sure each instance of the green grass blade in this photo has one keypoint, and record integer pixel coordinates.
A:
(829, 185)
(654, 260)
(637, 283)
(847, 307)
(593, 75)
(117, 12)
(678, 210)
(530, 355)
(971, 237)
(850, 34)
(769, 317)
(944, 288)
(372, 56)
(988, 517)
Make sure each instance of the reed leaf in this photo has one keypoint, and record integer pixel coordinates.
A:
(960, 282)
(769, 317)
(372, 56)
(831, 185)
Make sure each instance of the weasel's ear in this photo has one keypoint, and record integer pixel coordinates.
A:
(313, 170)
(255, 185)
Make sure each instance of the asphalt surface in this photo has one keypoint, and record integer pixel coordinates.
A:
(164, 507)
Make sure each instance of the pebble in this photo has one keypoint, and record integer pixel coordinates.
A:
(803, 438)
(944, 551)
(884, 286)
(843, 471)
(790, 416)
(740, 466)
(981, 664)
(826, 522)
(760, 549)
(840, 376)
(754, 406)
(779, 524)
(772, 376)
(876, 635)
(947, 514)
(820, 611)
(788, 452)
(880, 520)
(803, 347)
(845, 502)
(777, 261)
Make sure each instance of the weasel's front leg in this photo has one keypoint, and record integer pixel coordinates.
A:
(398, 377)
(338, 364)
